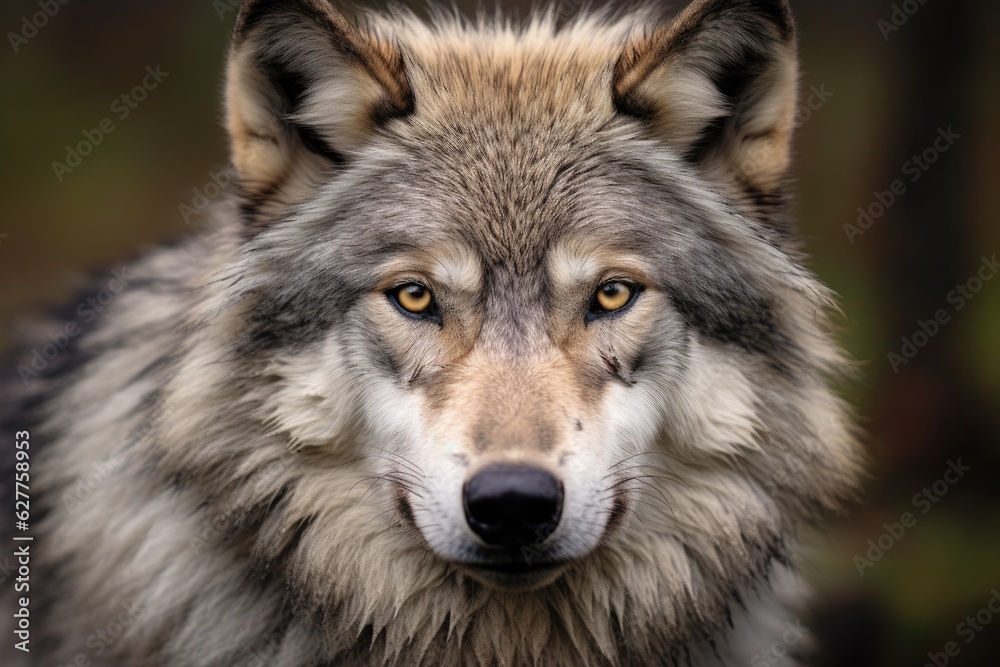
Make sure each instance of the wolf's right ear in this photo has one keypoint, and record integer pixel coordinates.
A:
(304, 89)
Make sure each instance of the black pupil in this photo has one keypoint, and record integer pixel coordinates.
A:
(417, 293)
(613, 290)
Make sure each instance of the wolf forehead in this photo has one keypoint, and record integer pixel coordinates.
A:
(511, 142)
(513, 203)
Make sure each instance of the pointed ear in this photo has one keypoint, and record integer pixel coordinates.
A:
(304, 89)
(719, 85)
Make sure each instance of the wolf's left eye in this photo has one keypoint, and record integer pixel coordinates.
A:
(413, 299)
(612, 296)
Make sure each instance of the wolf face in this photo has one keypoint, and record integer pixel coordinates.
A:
(544, 277)
(504, 351)
(552, 250)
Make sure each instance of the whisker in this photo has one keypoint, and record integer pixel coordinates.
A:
(413, 466)
(660, 498)
(370, 487)
(646, 453)
(666, 473)
(347, 496)
(390, 460)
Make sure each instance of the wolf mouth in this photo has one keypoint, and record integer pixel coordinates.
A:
(516, 566)
(516, 575)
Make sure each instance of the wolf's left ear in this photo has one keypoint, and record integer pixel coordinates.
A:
(719, 84)
(304, 89)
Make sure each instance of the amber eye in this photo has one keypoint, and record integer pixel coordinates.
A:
(413, 299)
(612, 296)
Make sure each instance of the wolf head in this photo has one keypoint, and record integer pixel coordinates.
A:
(508, 306)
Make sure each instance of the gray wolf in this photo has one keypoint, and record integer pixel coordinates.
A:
(500, 350)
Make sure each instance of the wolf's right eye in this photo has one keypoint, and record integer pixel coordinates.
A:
(611, 297)
(413, 299)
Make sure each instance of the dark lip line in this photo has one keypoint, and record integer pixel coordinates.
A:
(513, 567)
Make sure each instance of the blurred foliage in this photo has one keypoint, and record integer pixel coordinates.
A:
(890, 96)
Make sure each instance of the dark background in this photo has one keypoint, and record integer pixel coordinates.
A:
(892, 89)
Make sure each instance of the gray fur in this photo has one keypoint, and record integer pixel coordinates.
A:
(292, 448)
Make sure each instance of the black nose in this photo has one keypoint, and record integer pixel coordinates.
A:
(512, 506)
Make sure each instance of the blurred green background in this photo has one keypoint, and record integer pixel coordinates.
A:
(890, 88)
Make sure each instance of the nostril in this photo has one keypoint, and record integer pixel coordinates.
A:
(512, 505)
(486, 511)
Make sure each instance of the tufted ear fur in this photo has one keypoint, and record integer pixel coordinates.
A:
(304, 89)
(719, 84)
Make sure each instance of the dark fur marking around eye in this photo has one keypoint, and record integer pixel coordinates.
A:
(749, 324)
(293, 315)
